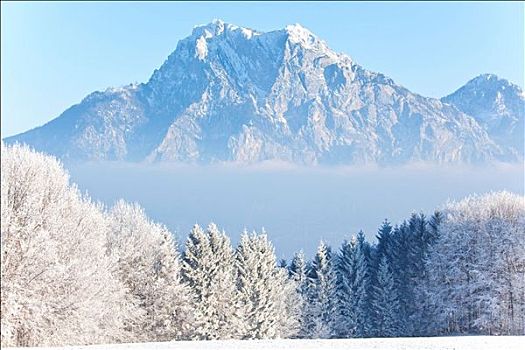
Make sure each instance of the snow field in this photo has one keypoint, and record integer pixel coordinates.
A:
(433, 343)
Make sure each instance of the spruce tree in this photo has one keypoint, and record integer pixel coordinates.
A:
(345, 272)
(433, 227)
(400, 269)
(386, 302)
(298, 269)
(266, 294)
(209, 269)
(362, 304)
(418, 246)
(385, 241)
(424, 319)
(298, 274)
(283, 263)
(322, 294)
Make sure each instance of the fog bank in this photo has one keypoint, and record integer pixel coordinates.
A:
(296, 206)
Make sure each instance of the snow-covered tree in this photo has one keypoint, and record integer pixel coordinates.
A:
(345, 268)
(322, 308)
(298, 273)
(422, 319)
(363, 287)
(290, 305)
(433, 227)
(208, 266)
(476, 269)
(386, 302)
(400, 265)
(58, 283)
(268, 297)
(283, 263)
(385, 244)
(148, 264)
(418, 245)
(74, 274)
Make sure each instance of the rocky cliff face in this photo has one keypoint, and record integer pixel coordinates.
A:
(498, 106)
(232, 94)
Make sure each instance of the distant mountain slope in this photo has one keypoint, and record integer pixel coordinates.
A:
(498, 106)
(229, 93)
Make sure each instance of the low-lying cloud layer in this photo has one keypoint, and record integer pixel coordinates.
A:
(296, 206)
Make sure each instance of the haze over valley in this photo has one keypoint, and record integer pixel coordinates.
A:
(297, 206)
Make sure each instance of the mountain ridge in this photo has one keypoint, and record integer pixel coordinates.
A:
(491, 101)
(233, 94)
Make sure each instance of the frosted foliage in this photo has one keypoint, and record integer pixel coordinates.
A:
(386, 301)
(291, 306)
(363, 289)
(345, 271)
(322, 295)
(57, 283)
(268, 297)
(477, 267)
(298, 274)
(148, 265)
(209, 269)
(73, 273)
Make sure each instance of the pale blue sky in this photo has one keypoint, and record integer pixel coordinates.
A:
(54, 54)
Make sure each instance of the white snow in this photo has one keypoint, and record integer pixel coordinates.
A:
(441, 343)
(299, 34)
(306, 103)
(201, 49)
(248, 33)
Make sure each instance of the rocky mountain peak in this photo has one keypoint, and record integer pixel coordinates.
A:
(233, 94)
(498, 106)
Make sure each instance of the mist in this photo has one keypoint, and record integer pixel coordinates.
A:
(296, 206)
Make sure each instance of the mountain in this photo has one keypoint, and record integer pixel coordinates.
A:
(498, 106)
(233, 94)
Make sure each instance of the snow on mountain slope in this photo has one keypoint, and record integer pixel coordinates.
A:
(435, 343)
(498, 106)
(232, 94)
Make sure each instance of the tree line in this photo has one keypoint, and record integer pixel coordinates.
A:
(75, 272)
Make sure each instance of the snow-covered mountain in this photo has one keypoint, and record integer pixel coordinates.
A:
(229, 93)
(498, 106)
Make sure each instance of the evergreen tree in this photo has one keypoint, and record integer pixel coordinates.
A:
(209, 269)
(298, 273)
(322, 294)
(433, 227)
(385, 244)
(283, 263)
(400, 268)
(424, 319)
(362, 305)
(386, 302)
(268, 297)
(291, 306)
(417, 250)
(345, 272)
(298, 269)
(419, 242)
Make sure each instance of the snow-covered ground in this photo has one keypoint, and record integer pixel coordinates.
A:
(441, 343)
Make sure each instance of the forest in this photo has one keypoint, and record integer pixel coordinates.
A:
(74, 271)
